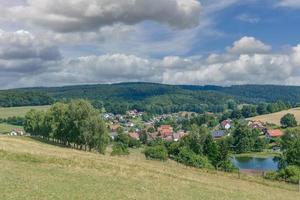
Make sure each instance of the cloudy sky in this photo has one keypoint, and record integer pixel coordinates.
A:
(221, 42)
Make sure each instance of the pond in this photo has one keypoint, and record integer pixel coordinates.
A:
(254, 163)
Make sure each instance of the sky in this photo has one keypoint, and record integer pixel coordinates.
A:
(197, 42)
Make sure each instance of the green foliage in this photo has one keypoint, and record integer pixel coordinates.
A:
(290, 174)
(134, 143)
(76, 122)
(119, 149)
(247, 140)
(12, 98)
(288, 120)
(158, 152)
(144, 137)
(190, 158)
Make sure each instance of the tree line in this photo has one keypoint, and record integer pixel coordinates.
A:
(75, 123)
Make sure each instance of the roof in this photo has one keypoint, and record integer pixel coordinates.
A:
(165, 130)
(275, 133)
(225, 122)
(218, 134)
(134, 135)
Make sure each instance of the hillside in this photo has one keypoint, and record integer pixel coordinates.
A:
(19, 111)
(33, 170)
(274, 118)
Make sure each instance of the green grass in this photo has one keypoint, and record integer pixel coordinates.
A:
(30, 169)
(19, 111)
(7, 128)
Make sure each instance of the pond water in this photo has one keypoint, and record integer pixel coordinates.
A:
(253, 163)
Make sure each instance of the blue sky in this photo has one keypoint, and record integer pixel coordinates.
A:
(222, 42)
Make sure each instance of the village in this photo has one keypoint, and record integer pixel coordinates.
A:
(159, 126)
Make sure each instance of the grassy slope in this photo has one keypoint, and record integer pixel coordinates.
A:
(19, 111)
(34, 170)
(274, 118)
(6, 128)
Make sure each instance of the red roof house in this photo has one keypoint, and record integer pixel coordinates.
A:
(274, 133)
(165, 130)
(134, 135)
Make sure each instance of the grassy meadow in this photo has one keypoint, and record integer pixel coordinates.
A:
(274, 118)
(19, 111)
(30, 169)
(7, 128)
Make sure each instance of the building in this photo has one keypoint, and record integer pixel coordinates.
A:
(226, 124)
(218, 134)
(134, 135)
(256, 125)
(16, 132)
(274, 133)
(165, 131)
(177, 136)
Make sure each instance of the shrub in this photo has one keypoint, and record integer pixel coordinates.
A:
(158, 152)
(119, 149)
(190, 158)
(134, 143)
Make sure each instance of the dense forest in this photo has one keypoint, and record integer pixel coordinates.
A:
(152, 97)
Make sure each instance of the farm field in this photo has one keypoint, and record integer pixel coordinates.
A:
(274, 118)
(30, 169)
(19, 111)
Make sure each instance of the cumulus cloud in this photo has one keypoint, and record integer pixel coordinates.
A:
(220, 69)
(87, 15)
(248, 45)
(20, 51)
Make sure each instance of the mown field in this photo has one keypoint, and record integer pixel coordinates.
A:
(30, 169)
(19, 111)
(274, 118)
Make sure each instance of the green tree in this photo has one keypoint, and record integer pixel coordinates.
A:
(288, 120)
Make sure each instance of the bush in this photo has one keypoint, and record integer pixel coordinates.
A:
(190, 158)
(134, 143)
(158, 152)
(119, 149)
(290, 174)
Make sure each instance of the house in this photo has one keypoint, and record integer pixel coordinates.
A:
(152, 136)
(16, 132)
(226, 124)
(256, 125)
(218, 134)
(274, 133)
(113, 135)
(134, 135)
(165, 131)
(114, 127)
(177, 136)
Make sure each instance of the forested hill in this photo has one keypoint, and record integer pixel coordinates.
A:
(255, 93)
(152, 97)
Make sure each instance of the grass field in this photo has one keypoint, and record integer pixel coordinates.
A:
(7, 128)
(33, 170)
(19, 111)
(274, 118)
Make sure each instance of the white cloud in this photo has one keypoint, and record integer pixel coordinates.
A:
(248, 18)
(290, 3)
(248, 45)
(87, 15)
(28, 61)
(296, 55)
